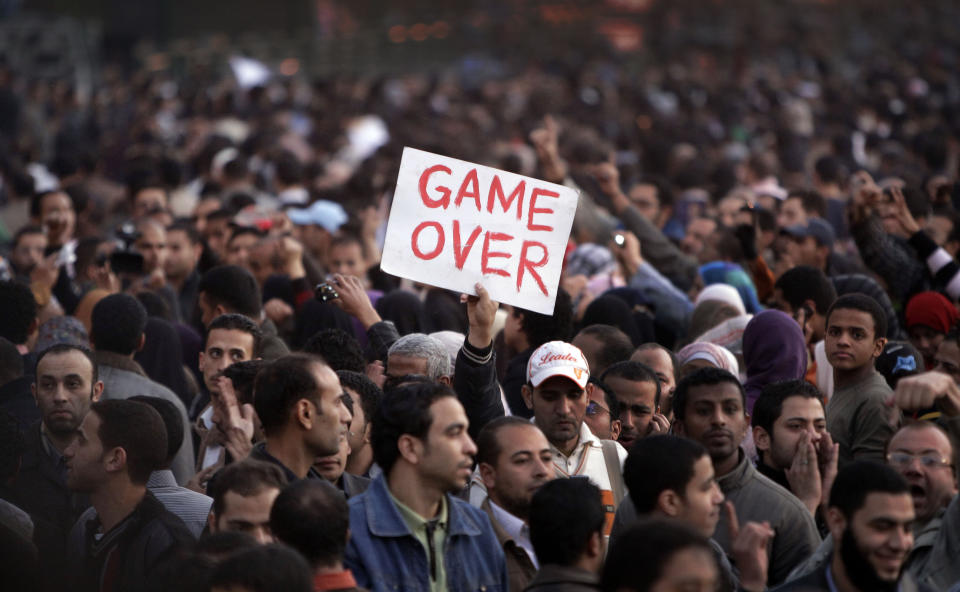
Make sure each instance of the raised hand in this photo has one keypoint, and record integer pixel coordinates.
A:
(749, 549)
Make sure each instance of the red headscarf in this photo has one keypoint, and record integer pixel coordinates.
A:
(933, 310)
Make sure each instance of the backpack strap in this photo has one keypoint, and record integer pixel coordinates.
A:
(614, 472)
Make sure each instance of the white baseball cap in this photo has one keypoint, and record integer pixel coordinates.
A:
(558, 358)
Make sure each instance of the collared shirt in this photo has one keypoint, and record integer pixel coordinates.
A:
(517, 529)
(188, 505)
(431, 534)
(259, 452)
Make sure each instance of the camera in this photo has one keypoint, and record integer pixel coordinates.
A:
(325, 292)
(124, 259)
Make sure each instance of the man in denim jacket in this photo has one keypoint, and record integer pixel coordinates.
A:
(407, 531)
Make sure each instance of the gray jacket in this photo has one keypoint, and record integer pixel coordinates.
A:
(758, 499)
(123, 378)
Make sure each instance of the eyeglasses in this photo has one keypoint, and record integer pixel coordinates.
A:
(929, 461)
(594, 408)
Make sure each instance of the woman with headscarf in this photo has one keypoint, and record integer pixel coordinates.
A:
(930, 316)
(702, 354)
(774, 350)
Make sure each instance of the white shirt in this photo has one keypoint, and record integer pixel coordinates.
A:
(517, 529)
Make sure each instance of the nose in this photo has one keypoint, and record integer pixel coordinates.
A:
(542, 467)
(718, 418)
(717, 495)
(902, 538)
(263, 535)
(815, 436)
(469, 447)
(564, 406)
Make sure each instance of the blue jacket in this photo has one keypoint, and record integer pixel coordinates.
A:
(384, 556)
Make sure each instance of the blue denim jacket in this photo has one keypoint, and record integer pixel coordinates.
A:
(384, 556)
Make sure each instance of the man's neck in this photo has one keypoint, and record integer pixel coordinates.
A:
(59, 441)
(413, 492)
(495, 498)
(723, 467)
(176, 282)
(115, 501)
(844, 378)
(291, 453)
(566, 448)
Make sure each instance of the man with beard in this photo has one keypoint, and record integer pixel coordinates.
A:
(514, 459)
(710, 407)
(66, 385)
(408, 532)
(870, 513)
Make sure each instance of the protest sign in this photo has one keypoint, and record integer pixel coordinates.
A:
(453, 224)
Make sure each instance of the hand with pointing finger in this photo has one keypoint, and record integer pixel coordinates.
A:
(749, 549)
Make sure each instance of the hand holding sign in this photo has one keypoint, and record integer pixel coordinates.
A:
(454, 223)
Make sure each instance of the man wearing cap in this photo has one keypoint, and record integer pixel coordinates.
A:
(557, 376)
(316, 225)
(812, 244)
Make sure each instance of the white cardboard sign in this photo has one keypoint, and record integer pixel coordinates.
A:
(454, 223)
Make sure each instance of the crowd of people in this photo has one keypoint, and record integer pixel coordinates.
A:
(750, 380)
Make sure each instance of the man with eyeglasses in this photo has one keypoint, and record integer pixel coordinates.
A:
(603, 411)
(923, 453)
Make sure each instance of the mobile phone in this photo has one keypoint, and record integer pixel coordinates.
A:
(618, 238)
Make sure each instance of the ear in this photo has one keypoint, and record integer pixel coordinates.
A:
(669, 503)
(761, 438)
(197, 252)
(595, 545)
(445, 380)
(219, 310)
(201, 362)
(615, 428)
(409, 448)
(836, 523)
(115, 460)
(811, 305)
(527, 393)
(34, 326)
(33, 390)
(212, 521)
(878, 348)
(141, 342)
(97, 391)
(489, 475)
(678, 427)
(304, 411)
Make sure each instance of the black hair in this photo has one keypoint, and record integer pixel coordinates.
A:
(172, 421)
(338, 348)
(564, 515)
(707, 376)
(728, 245)
(829, 169)
(769, 405)
(187, 227)
(617, 346)
(802, 283)
(243, 375)
(239, 231)
(812, 202)
(312, 516)
(138, 429)
(118, 322)
(289, 169)
(403, 410)
(36, 202)
(24, 231)
(264, 568)
(19, 311)
(11, 362)
(236, 322)
(245, 478)
(63, 348)
(232, 287)
(278, 387)
(658, 463)
(860, 478)
(637, 559)
(613, 404)
(863, 303)
(370, 394)
(488, 441)
(541, 328)
(633, 371)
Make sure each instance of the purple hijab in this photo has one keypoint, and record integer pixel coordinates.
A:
(774, 350)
